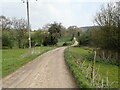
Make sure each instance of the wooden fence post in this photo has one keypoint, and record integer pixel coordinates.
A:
(93, 69)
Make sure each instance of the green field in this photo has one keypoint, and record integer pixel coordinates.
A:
(81, 69)
(12, 59)
(63, 40)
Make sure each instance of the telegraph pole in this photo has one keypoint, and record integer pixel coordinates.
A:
(28, 22)
(28, 27)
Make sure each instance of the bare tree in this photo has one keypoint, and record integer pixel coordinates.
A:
(108, 32)
(73, 30)
(5, 23)
(108, 21)
(20, 25)
(107, 15)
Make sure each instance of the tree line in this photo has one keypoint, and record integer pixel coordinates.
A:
(15, 34)
(105, 35)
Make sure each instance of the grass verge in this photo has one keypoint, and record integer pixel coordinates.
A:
(106, 75)
(12, 59)
(62, 40)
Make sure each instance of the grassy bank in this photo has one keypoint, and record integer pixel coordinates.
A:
(106, 75)
(13, 59)
(63, 40)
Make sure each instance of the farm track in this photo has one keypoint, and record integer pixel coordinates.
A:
(46, 71)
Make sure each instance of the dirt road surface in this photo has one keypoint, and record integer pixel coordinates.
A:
(46, 71)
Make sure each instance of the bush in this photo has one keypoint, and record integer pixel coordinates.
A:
(50, 40)
(5, 47)
(37, 38)
(84, 39)
(7, 39)
(65, 44)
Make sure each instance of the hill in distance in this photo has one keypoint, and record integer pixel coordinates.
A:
(87, 27)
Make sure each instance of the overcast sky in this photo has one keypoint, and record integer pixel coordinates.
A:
(68, 12)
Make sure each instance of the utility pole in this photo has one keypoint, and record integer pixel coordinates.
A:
(28, 27)
(28, 22)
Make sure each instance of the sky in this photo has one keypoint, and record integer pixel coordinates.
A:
(68, 12)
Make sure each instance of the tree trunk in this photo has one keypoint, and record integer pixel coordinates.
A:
(19, 43)
(103, 55)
